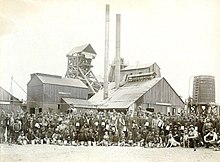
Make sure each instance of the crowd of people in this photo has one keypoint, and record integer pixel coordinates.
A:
(113, 128)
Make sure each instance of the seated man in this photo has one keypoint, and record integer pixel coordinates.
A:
(22, 139)
(210, 139)
(193, 137)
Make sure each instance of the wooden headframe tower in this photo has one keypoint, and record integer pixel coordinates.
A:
(79, 67)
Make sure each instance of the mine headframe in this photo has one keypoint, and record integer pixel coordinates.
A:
(79, 67)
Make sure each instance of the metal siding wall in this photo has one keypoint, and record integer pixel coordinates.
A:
(34, 96)
(34, 93)
(52, 96)
(162, 92)
(4, 95)
(161, 109)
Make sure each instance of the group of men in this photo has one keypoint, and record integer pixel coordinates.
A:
(110, 129)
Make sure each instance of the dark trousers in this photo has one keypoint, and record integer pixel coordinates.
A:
(193, 142)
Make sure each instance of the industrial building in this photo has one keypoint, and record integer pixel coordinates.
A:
(139, 70)
(203, 89)
(9, 103)
(126, 70)
(45, 92)
(144, 91)
(203, 100)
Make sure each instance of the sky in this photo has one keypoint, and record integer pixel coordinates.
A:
(182, 37)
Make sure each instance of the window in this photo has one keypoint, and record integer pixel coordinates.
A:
(32, 110)
(150, 109)
(40, 110)
(168, 111)
(174, 111)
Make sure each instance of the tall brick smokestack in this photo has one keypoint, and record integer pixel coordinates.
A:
(106, 57)
(117, 57)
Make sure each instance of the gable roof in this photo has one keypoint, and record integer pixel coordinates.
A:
(58, 80)
(5, 96)
(125, 95)
(84, 48)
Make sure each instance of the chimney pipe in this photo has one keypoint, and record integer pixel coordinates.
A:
(105, 95)
(118, 58)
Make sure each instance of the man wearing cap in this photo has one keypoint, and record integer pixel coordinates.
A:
(193, 137)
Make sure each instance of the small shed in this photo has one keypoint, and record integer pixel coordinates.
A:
(9, 103)
(78, 105)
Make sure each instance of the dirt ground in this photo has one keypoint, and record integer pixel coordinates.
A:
(40, 153)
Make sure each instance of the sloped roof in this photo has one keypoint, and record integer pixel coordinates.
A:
(58, 80)
(78, 103)
(125, 95)
(5, 96)
(138, 66)
(84, 48)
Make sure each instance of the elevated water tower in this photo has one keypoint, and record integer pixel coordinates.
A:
(203, 99)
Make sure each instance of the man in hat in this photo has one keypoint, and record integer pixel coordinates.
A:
(2, 125)
(193, 137)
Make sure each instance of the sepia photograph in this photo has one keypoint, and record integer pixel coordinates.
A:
(110, 80)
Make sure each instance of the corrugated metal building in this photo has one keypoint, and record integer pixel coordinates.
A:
(8, 102)
(155, 95)
(44, 92)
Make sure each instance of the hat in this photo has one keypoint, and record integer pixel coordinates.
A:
(37, 125)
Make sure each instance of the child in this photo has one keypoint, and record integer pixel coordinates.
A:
(122, 139)
(56, 137)
(158, 141)
(30, 135)
(130, 141)
(139, 139)
(105, 141)
(115, 138)
(149, 140)
(73, 138)
(185, 138)
(22, 139)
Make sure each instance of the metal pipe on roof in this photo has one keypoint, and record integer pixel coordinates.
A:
(117, 60)
(106, 57)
